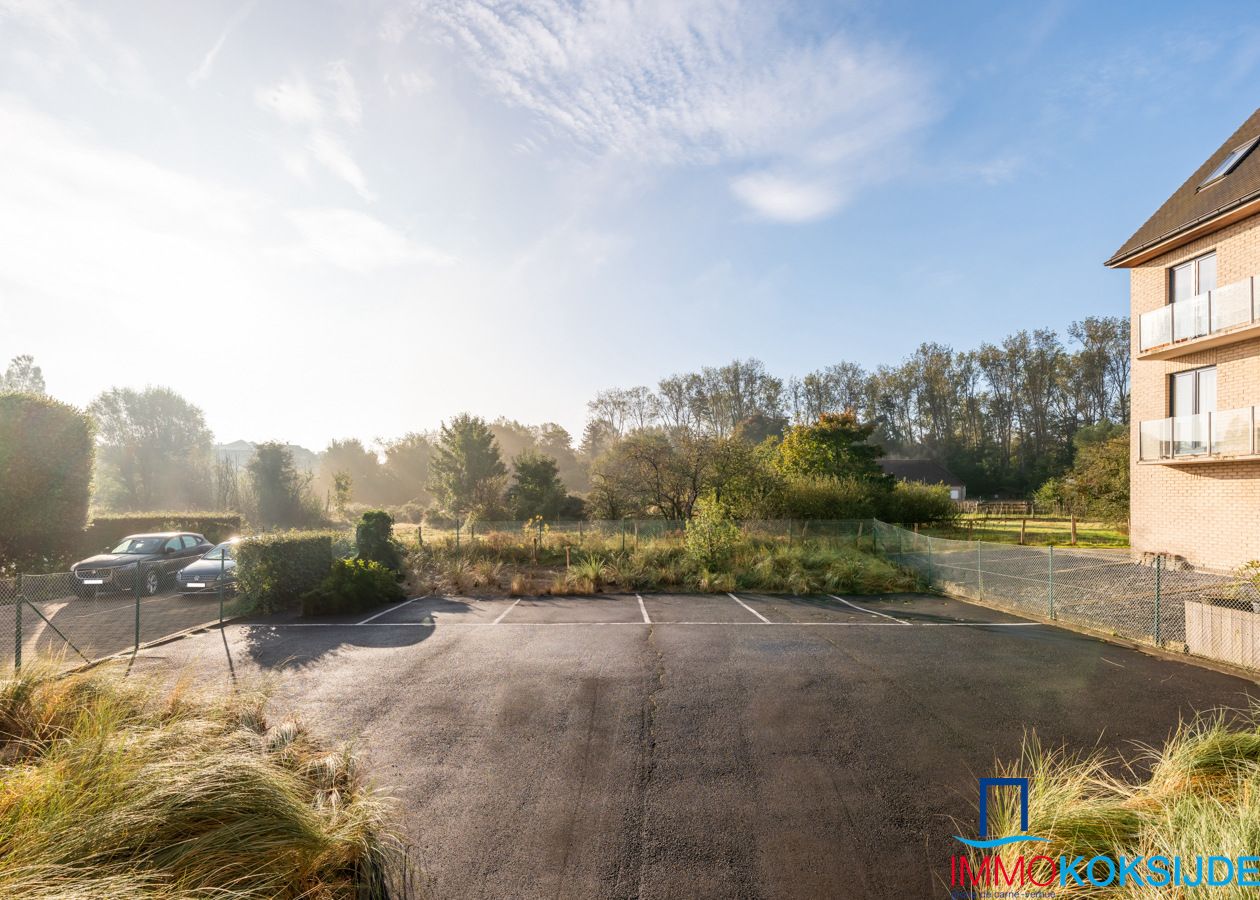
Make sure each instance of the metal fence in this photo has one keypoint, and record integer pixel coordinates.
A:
(74, 619)
(1117, 592)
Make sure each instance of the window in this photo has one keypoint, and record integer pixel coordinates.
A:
(174, 544)
(1230, 162)
(1193, 392)
(1192, 278)
(1191, 399)
(189, 542)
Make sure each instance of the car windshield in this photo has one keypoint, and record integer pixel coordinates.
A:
(223, 551)
(139, 545)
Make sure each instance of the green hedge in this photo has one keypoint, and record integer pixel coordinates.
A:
(46, 452)
(274, 571)
(108, 530)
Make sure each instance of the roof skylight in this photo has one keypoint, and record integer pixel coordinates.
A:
(1228, 164)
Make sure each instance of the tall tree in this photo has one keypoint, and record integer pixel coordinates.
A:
(836, 446)
(281, 494)
(154, 449)
(406, 467)
(536, 489)
(23, 376)
(467, 471)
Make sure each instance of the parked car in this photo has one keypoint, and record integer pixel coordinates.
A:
(204, 575)
(152, 555)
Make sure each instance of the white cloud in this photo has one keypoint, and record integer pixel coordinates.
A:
(202, 72)
(292, 100)
(346, 102)
(69, 36)
(296, 103)
(329, 151)
(785, 199)
(358, 242)
(696, 82)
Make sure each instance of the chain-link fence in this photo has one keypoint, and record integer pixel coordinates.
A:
(1117, 592)
(86, 615)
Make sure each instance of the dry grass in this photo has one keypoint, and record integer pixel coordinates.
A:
(111, 787)
(1199, 795)
(492, 565)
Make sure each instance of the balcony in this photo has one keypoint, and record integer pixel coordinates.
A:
(1212, 318)
(1207, 437)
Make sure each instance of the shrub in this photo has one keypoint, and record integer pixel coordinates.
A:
(353, 585)
(274, 571)
(46, 452)
(910, 502)
(822, 497)
(374, 538)
(711, 533)
(108, 530)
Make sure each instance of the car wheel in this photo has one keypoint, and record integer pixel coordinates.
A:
(152, 581)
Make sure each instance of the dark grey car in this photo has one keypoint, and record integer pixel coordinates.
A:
(139, 559)
(204, 576)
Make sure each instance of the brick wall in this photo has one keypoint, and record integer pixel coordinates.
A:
(1206, 512)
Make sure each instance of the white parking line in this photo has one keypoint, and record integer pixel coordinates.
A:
(636, 624)
(506, 611)
(749, 608)
(865, 610)
(389, 610)
(643, 609)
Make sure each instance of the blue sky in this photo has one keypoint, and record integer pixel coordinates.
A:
(320, 220)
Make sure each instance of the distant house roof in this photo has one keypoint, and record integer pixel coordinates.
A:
(1202, 199)
(927, 471)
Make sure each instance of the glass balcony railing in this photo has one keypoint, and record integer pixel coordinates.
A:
(1208, 313)
(1226, 433)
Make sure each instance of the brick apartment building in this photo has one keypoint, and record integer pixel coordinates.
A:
(1195, 306)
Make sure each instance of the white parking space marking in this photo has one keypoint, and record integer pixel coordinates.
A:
(865, 610)
(643, 609)
(636, 624)
(506, 611)
(749, 608)
(389, 610)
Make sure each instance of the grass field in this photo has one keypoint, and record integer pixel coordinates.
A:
(1038, 532)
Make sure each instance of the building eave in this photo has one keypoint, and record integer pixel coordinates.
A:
(1204, 225)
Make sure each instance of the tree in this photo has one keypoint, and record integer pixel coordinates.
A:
(1098, 482)
(661, 472)
(836, 446)
(343, 484)
(537, 489)
(46, 451)
(23, 376)
(281, 494)
(154, 449)
(467, 472)
(350, 457)
(406, 467)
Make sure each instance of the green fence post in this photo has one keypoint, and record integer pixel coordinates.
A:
(1159, 577)
(874, 538)
(17, 626)
(623, 535)
(222, 574)
(138, 590)
(929, 560)
(457, 535)
(1050, 581)
(979, 577)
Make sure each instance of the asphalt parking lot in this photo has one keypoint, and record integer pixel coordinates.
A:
(696, 746)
